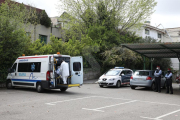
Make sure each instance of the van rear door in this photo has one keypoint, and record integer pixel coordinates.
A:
(76, 65)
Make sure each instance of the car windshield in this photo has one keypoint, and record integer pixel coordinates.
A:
(113, 72)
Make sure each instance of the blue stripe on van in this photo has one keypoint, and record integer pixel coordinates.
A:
(26, 80)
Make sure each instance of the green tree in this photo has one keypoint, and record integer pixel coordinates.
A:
(124, 13)
(13, 39)
(44, 19)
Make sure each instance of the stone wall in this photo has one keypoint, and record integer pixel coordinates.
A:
(90, 74)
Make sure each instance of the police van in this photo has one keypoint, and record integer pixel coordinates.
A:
(40, 72)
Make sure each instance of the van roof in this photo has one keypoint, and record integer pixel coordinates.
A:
(42, 56)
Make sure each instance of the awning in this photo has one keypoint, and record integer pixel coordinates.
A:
(156, 50)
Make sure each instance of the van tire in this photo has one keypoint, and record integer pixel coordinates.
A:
(118, 84)
(39, 88)
(63, 89)
(9, 84)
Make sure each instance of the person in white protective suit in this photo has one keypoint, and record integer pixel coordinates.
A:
(64, 68)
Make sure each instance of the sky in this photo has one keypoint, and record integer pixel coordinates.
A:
(166, 15)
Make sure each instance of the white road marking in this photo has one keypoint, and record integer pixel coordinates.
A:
(150, 118)
(168, 114)
(92, 109)
(97, 109)
(54, 103)
(159, 118)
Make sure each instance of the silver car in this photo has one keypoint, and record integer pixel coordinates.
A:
(145, 78)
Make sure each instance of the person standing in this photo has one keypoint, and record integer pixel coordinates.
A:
(64, 68)
(157, 75)
(168, 77)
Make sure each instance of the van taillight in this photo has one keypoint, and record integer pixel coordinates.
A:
(48, 75)
(148, 78)
(131, 77)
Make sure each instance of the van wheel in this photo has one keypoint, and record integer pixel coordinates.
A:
(63, 89)
(39, 88)
(164, 87)
(153, 86)
(133, 87)
(9, 84)
(118, 84)
(100, 85)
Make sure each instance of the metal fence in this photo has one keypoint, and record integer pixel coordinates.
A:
(3, 76)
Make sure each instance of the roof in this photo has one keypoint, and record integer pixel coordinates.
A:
(156, 50)
(27, 6)
(154, 28)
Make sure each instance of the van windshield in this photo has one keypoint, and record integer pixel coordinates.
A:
(113, 72)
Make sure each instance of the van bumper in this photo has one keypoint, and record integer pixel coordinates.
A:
(45, 84)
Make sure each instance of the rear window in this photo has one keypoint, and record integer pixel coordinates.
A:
(142, 73)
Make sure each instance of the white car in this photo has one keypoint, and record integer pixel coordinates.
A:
(116, 77)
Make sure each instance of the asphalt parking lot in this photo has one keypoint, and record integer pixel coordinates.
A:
(90, 102)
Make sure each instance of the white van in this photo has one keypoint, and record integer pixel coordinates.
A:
(39, 72)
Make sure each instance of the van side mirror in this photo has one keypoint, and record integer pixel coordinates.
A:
(122, 74)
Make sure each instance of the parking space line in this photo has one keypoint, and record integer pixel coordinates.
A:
(54, 103)
(141, 101)
(92, 109)
(97, 109)
(158, 118)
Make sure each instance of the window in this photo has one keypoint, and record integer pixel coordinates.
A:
(113, 72)
(29, 67)
(147, 32)
(14, 67)
(143, 73)
(76, 66)
(128, 72)
(43, 38)
(159, 35)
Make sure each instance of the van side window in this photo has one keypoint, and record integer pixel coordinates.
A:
(76, 66)
(29, 67)
(14, 67)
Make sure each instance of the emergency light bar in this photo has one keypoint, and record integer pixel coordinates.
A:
(119, 67)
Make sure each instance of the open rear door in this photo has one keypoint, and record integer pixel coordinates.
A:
(76, 70)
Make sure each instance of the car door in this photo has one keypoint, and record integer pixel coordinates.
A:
(76, 65)
(128, 75)
(13, 74)
(123, 76)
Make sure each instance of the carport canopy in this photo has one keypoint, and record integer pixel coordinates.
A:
(156, 50)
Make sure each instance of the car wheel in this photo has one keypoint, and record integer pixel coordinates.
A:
(164, 87)
(118, 84)
(63, 89)
(133, 87)
(100, 85)
(9, 84)
(153, 86)
(39, 88)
